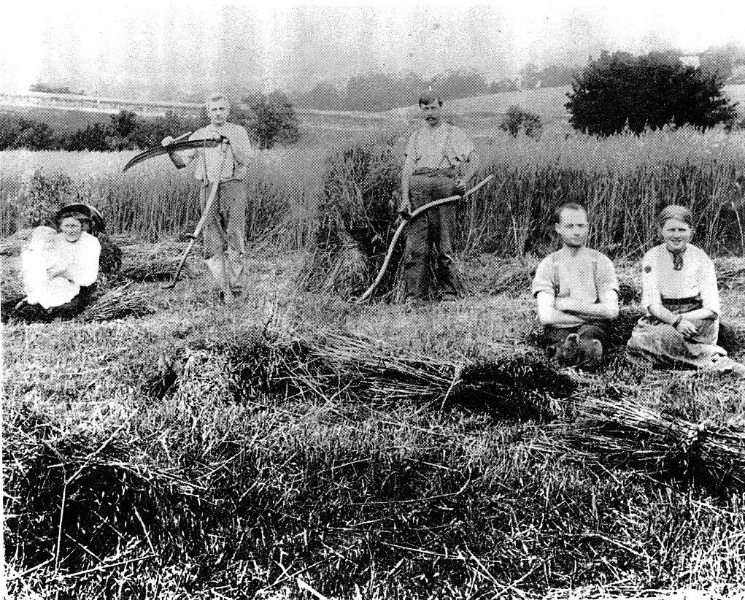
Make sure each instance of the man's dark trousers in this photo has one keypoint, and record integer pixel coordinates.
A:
(436, 226)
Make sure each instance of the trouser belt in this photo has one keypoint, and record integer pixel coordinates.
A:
(428, 172)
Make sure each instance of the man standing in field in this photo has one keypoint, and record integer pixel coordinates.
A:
(440, 160)
(577, 291)
(224, 166)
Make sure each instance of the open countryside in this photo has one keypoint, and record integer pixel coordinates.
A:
(304, 445)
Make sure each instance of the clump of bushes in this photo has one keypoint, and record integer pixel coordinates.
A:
(42, 194)
(517, 120)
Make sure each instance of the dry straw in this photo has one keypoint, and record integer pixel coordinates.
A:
(631, 434)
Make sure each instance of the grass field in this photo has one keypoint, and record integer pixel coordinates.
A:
(205, 452)
(300, 445)
(624, 181)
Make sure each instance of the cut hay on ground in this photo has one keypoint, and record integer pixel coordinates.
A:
(509, 385)
(629, 434)
(155, 263)
(118, 303)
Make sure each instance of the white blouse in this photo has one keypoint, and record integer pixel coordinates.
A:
(48, 249)
(696, 278)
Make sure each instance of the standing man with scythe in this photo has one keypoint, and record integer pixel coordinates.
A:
(440, 160)
(223, 166)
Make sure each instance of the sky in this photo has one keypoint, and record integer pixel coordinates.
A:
(187, 46)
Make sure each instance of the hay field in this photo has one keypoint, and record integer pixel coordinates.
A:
(373, 451)
(300, 441)
(624, 181)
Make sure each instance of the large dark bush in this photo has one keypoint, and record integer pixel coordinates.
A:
(19, 132)
(620, 90)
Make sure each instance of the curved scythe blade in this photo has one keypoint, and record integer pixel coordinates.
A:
(174, 147)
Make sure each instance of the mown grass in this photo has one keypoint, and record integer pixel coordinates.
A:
(184, 460)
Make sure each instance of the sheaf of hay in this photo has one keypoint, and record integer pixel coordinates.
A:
(118, 303)
(629, 434)
(157, 263)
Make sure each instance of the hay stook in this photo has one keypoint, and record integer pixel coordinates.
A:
(358, 218)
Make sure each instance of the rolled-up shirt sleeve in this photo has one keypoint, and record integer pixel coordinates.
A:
(241, 145)
(607, 279)
(543, 280)
(708, 286)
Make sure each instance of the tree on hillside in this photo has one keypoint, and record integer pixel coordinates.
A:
(517, 120)
(721, 60)
(272, 120)
(460, 84)
(93, 137)
(504, 85)
(371, 93)
(618, 91)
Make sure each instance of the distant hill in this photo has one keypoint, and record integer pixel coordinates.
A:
(548, 103)
(477, 114)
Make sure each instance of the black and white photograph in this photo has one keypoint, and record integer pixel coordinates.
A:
(392, 301)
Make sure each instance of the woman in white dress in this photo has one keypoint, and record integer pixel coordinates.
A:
(59, 269)
(680, 295)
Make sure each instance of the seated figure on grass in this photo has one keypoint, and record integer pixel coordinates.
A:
(577, 292)
(59, 270)
(680, 295)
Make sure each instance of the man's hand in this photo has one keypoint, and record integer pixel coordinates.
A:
(460, 186)
(166, 141)
(404, 209)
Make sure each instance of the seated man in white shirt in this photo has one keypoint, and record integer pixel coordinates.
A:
(577, 291)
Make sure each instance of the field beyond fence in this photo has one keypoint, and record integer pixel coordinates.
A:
(623, 180)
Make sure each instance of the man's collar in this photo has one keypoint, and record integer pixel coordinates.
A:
(571, 250)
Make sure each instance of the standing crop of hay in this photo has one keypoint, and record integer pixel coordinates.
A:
(360, 184)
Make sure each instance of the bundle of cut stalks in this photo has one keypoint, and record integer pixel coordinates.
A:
(118, 303)
(510, 384)
(513, 384)
(341, 269)
(356, 217)
(631, 434)
(152, 264)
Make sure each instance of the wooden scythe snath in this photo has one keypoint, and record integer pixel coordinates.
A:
(176, 145)
(406, 221)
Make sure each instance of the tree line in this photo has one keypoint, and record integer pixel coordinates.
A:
(385, 91)
(614, 93)
(270, 119)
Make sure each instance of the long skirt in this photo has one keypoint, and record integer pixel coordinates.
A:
(658, 344)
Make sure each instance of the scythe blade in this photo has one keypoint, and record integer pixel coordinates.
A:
(174, 147)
